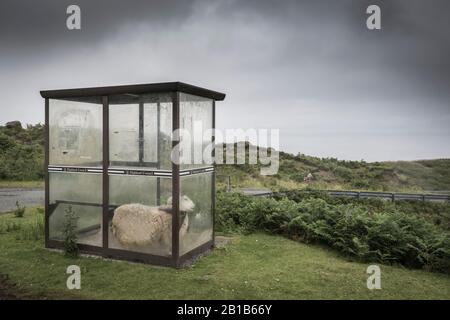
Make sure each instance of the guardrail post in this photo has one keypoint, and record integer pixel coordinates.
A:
(393, 197)
(358, 196)
(423, 197)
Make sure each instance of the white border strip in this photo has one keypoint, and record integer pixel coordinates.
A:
(137, 172)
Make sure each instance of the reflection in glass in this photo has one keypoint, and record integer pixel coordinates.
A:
(195, 119)
(75, 133)
(200, 222)
(140, 131)
(80, 194)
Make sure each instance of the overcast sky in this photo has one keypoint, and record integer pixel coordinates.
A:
(310, 68)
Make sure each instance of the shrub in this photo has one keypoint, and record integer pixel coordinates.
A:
(69, 233)
(21, 153)
(20, 211)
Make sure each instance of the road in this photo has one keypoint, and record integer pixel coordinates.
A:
(26, 197)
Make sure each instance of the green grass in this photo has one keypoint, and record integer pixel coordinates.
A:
(257, 266)
(38, 184)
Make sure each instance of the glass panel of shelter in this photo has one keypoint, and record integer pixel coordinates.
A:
(75, 168)
(140, 141)
(140, 131)
(196, 119)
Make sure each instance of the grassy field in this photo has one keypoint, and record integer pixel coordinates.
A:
(256, 266)
(39, 184)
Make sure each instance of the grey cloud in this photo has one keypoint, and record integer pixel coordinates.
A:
(41, 24)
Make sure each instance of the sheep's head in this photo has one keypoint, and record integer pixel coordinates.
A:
(186, 204)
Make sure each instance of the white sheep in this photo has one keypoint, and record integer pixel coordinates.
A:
(136, 224)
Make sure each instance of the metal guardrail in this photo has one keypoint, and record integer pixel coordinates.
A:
(369, 194)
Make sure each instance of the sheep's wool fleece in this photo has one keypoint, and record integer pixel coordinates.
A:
(137, 224)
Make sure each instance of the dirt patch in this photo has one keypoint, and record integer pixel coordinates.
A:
(6, 295)
(8, 291)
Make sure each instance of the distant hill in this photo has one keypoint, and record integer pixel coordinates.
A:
(331, 173)
(21, 158)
